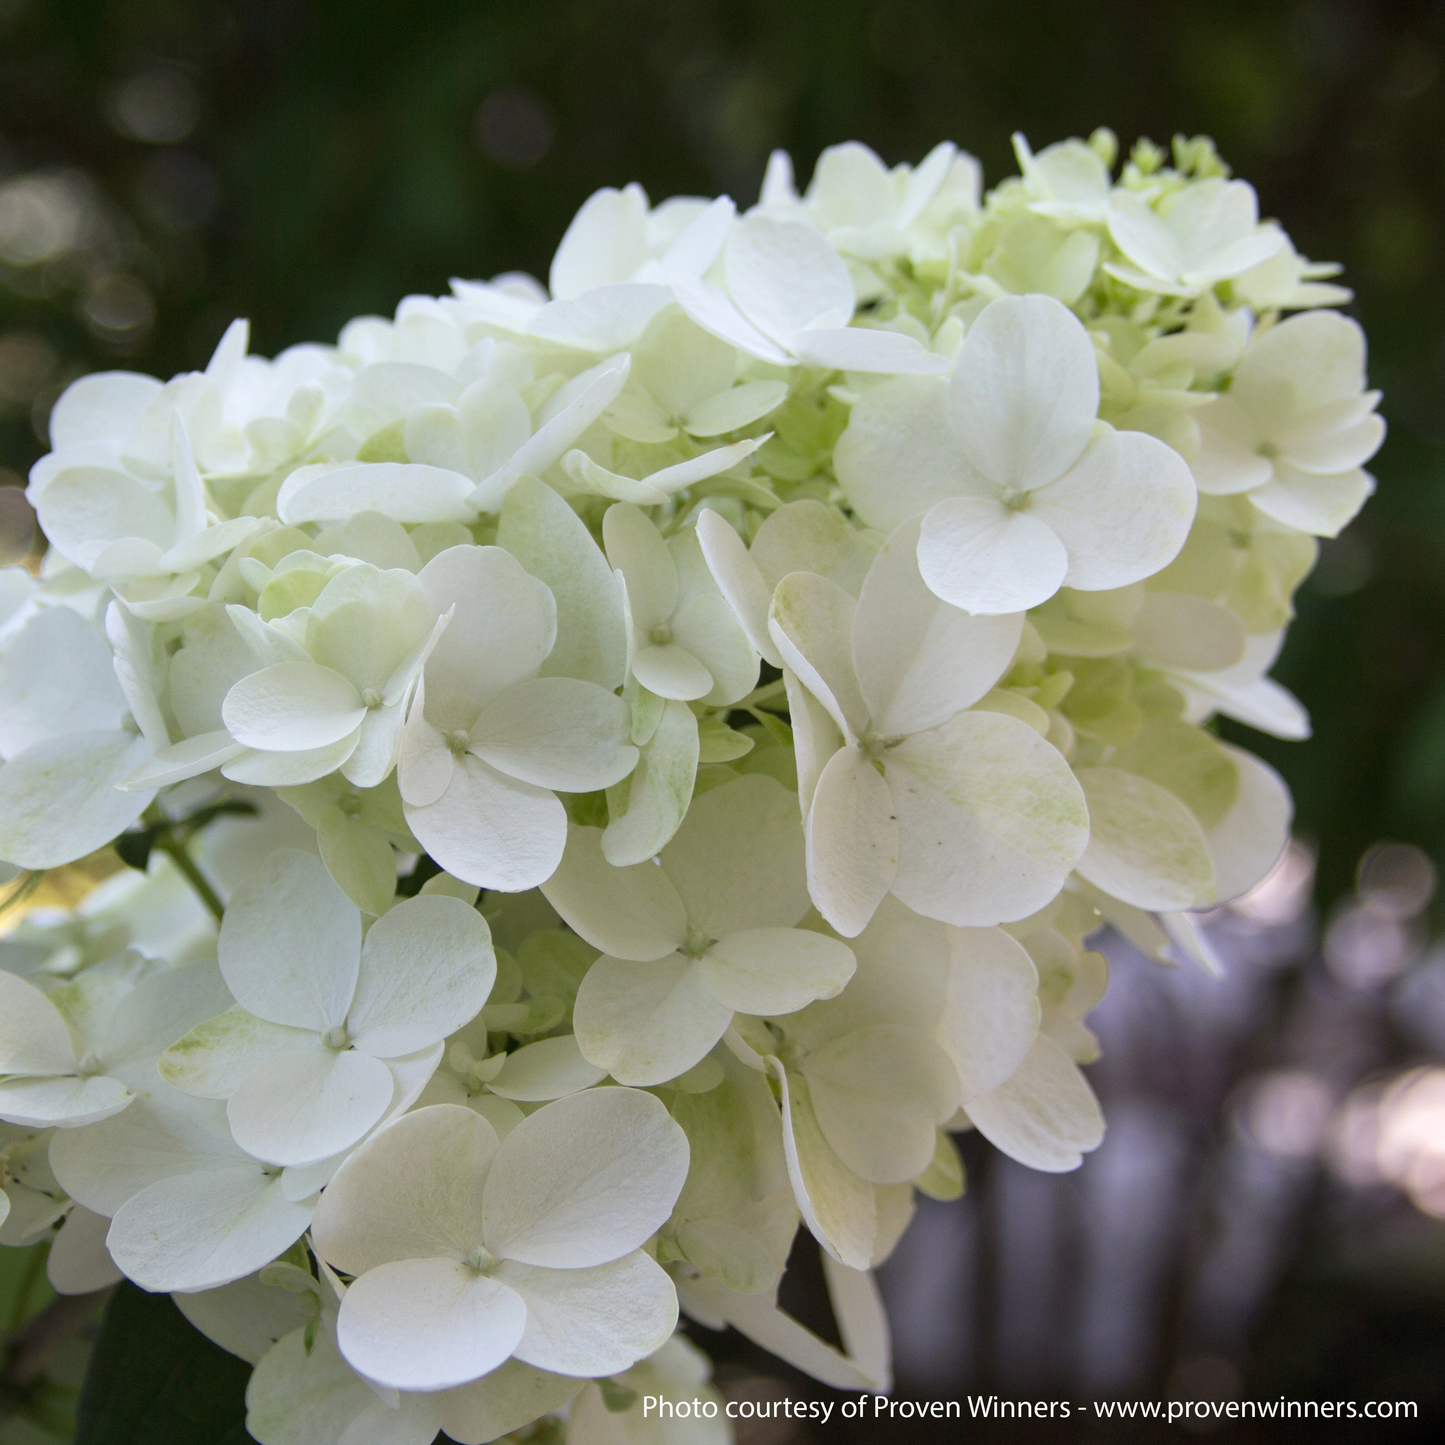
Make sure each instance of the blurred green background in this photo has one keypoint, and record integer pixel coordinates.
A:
(168, 164)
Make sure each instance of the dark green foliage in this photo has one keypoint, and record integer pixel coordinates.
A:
(155, 1380)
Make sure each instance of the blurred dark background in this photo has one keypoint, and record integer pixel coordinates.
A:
(166, 165)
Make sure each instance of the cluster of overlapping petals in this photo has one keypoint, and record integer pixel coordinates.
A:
(694, 716)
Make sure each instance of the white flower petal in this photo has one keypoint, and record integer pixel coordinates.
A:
(552, 542)
(646, 1023)
(584, 1180)
(920, 660)
(492, 830)
(403, 491)
(1122, 511)
(78, 1262)
(770, 971)
(898, 455)
(596, 1321)
(785, 276)
(292, 707)
(1145, 846)
(879, 1094)
(852, 841)
(411, 1191)
(547, 1069)
(1045, 1115)
(1174, 630)
(631, 912)
(290, 943)
(672, 672)
(302, 1108)
(33, 1037)
(716, 314)
(502, 631)
(992, 1014)
(985, 557)
(811, 622)
(428, 1324)
(658, 791)
(557, 732)
(990, 820)
(66, 1102)
(1250, 838)
(187, 759)
(636, 549)
(1025, 391)
(103, 406)
(739, 581)
(865, 348)
(734, 408)
(1321, 506)
(512, 1396)
(85, 771)
(201, 1230)
(217, 1055)
(426, 969)
(606, 241)
(259, 769)
(837, 1206)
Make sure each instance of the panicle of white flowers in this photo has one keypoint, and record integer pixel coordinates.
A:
(657, 746)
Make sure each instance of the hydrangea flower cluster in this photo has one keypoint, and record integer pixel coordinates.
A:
(656, 748)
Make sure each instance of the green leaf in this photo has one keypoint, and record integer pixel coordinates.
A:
(154, 1377)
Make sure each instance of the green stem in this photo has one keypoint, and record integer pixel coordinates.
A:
(34, 1268)
(175, 850)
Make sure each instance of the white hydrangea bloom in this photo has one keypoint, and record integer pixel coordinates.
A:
(706, 931)
(468, 1252)
(965, 814)
(1297, 425)
(65, 1054)
(1020, 491)
(303, 1059)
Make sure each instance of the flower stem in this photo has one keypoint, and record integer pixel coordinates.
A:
(175, 850)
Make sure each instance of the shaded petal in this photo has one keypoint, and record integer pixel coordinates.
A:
(1321, 506)
(412, 1191)
(646, 1023)
(636, 549)
(584, 1180)
(426, 969)
(918, 659)
(853, 841)
(492, 830)
(633, 912)
(201, 1230)
(557, 732)
(291, 707)
(428, 1324)
(737, 859)
(215, 1057)
(865, 348)
(66, 1102)
(302, 1108)
(1122, 511)
(982, 556)
(403, 491)
(898, 455)
(784, 275)
(658, 792)
(1045, 1115)
(990, 820)
(1025, 391)
(547, 1069)
(596, 1321)
(61, 799)
(811, 622)
(290, 943)
(1145, 846)
(775, 970)
(739, 581)
(879, 1094)
(992, 1015)
(1250, 838)
(33, 1036)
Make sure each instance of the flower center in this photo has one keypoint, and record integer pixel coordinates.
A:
(1016, 499)
(336, 1037)
(349, 804)
(480, 1259)
(696, 944)
(88, 1066)
(1268, 450)
(661, 636)
(457, 741)
(370, 698)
